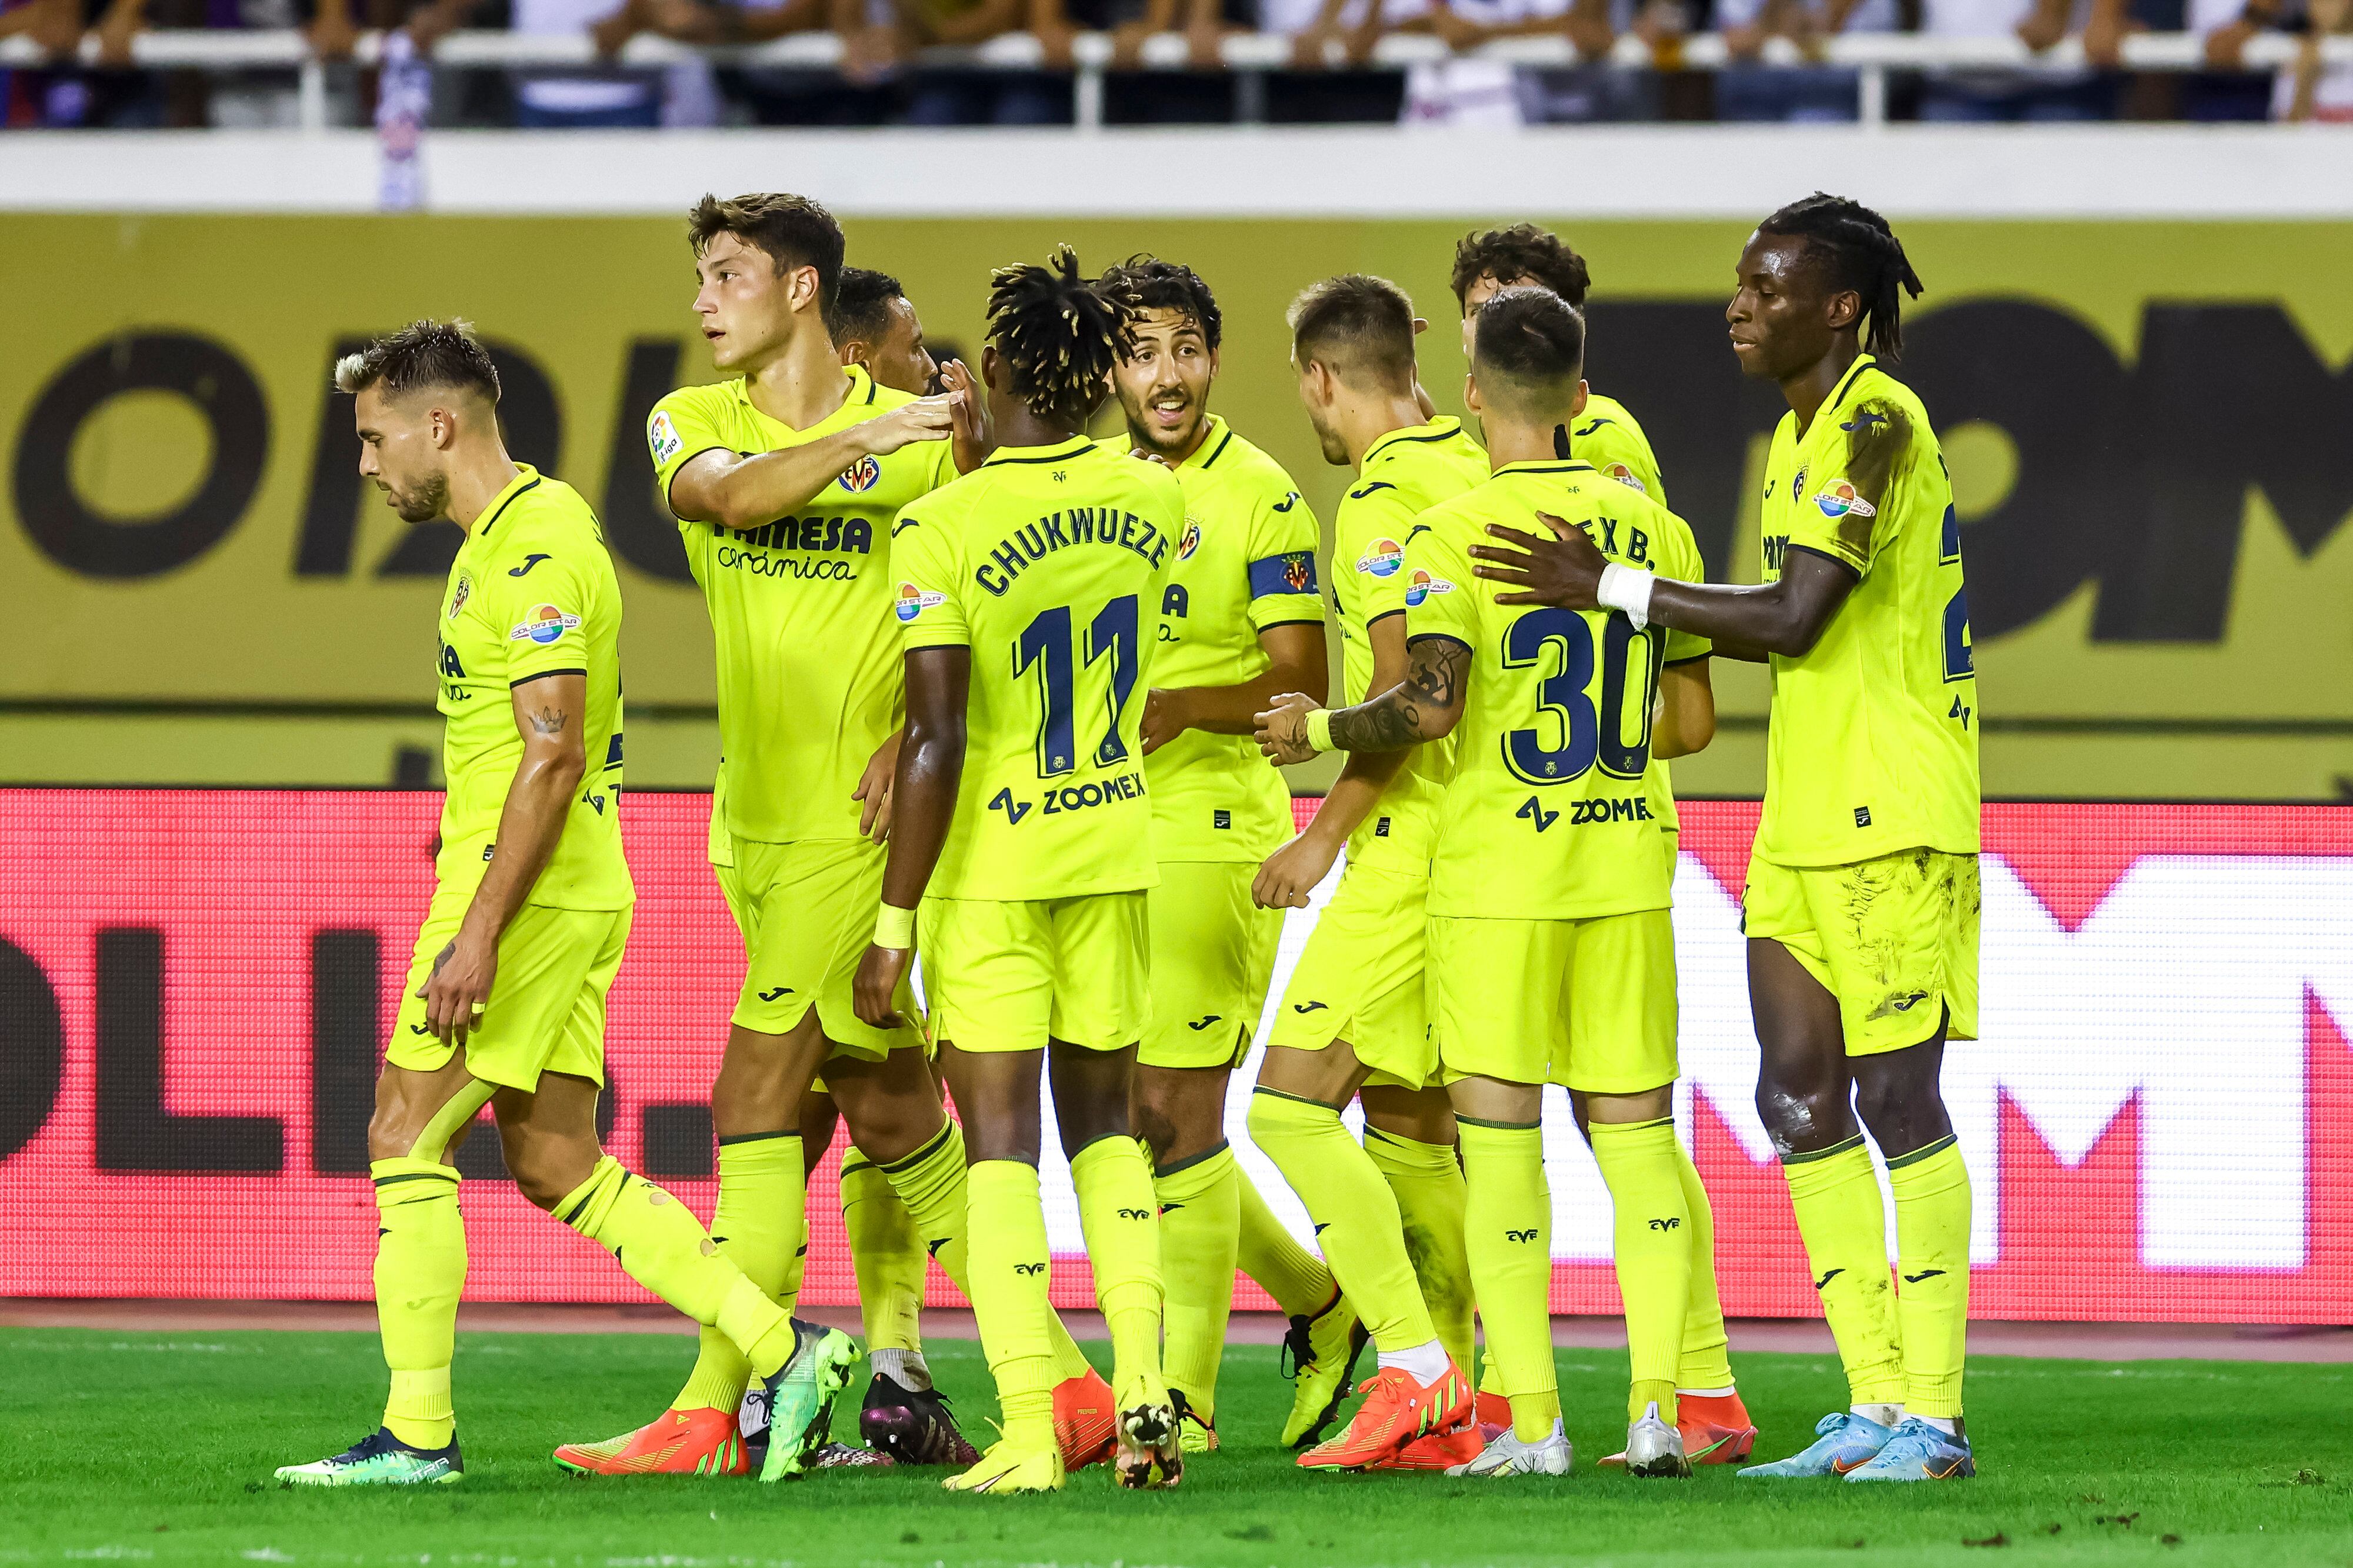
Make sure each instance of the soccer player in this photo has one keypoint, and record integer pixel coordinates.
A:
(504, 1002)
(1027, 596)
(1715, 1424)
(1552, 954)
(785, 477)
(874, 326)
(1351, 1021)
(1241, 620)
(1862, 906)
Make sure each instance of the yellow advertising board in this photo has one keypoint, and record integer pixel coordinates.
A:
(2150, 428)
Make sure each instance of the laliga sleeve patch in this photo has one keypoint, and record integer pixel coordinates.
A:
(1421, 585)
(663, 438)
(1838, 499)
(913, 601)
(543, 626)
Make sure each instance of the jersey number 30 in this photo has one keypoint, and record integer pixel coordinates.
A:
(1586, 736)
(1045, 644)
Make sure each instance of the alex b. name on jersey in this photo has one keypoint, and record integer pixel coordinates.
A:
(1062, 530)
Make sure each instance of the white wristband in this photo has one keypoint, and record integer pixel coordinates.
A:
(1624, 588)
(894, 927)
(1319, 729)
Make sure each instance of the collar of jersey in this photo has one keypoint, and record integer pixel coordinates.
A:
(1211, 446)
(1546, 466)
(853, 403)
(1056, 453)
(1838, 392)
(525, 477)
(1438, 429)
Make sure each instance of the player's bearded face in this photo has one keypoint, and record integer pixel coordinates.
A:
(1164, 385)
(900, 361)
(398, 455)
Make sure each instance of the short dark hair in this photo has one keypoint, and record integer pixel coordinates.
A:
(1148, 283)
(1862, 254)
(861, 305)
(1522, 253)
(420, 354)
(790, 231)
(1528, 348)
(1060, 339)
(1358, 325)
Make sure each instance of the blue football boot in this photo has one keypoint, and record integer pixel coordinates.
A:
(1918, 1452)
(1844, 1441)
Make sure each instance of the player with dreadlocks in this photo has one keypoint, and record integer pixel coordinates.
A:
(1861, 905)
(1029, 591)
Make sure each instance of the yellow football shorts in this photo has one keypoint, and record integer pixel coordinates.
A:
(1893, 939)
(1006, 975)
(807, 913)
(1589, 1004)
(1360, 979)
(1212, 956)
(547, 1007)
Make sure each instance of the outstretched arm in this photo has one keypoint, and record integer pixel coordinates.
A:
(736, 491)
(1296, 663)
(923, 799)
(1424, 706)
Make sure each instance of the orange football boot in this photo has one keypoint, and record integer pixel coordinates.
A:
(1715, 1429)
(1438, 1451)
(1493, 1411)
(675, 1443)
(1085, 1420)
(1398, 1408)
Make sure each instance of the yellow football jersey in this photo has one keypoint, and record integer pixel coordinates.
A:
(1245, 560)
(1872, 746)
(1606, 436)
(1047, 563)
(808, 669)
(531, 593)
(1556, 809)
(1404, 473)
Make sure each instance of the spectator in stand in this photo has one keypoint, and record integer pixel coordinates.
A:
(771, 95)
(1331, 43)
(1807, 94)
(2312, 89)
(1962, 95)
(880, 36)
(66, 94)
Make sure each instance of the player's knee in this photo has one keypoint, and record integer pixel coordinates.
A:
(1801, 1116)
(1903, 1111)
(546, 1170)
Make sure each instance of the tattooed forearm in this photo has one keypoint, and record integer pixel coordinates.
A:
(548, 721)
(1423, 707)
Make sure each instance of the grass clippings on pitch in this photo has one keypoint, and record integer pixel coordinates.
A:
(158, 1448)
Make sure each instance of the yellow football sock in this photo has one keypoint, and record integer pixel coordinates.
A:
(886, 1255)
(1010, 1271)
(1931, 1245)
(1298, 1280)
(420, 1272)
(1705, 1361)
(751, 1224)
(663, 1247)
(933, 1185)
(1354, 1213)
(1427, 1181)
(1652, 1244)
(1200, 1220)
(1836, 1196)
(1122, 1222)
(1507, 1231)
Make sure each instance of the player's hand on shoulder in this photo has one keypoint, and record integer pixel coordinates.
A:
(874, 995)
(457, 991)
(1283, 729)
(923, 419)
(1292, 872)
(1555, 565)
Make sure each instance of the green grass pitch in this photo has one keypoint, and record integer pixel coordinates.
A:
(158, 1448)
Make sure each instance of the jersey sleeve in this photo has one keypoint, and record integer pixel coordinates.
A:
(1371, 549)
(1850, 512)
(1680, 559)
(1283, 585)
(546, 617)
(1623, 453)
(1440, 596)
(928, 601)
(681, 428)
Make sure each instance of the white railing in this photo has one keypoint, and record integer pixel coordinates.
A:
(1871, 54)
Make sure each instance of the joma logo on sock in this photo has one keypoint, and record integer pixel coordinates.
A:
(1519, 1236)
(1665, 1223)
